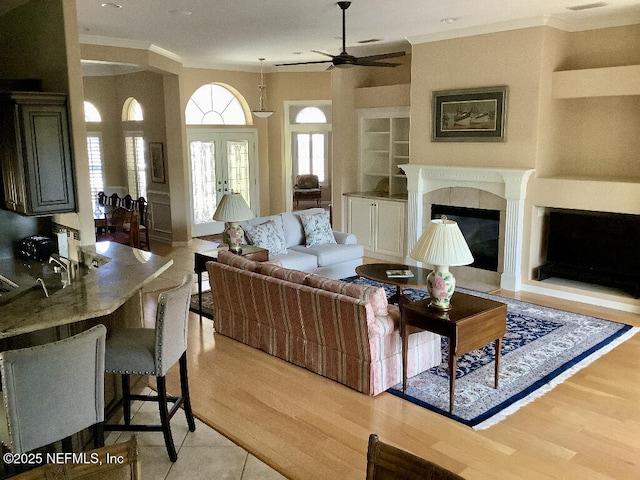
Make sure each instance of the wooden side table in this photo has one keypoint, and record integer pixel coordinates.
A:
(201, 258)
(472, 323)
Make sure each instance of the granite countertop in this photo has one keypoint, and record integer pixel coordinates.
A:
(122, 271)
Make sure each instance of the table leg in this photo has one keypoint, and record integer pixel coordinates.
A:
(405, 343)
(200, 294)
(453, 362)
(405, 340)
(498, 349)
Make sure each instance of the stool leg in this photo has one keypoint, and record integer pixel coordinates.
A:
(98, 435)
(67, 445)
(164, 418)
(126, 399)
(184, 386)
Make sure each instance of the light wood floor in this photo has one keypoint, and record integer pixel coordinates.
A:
(308, 427)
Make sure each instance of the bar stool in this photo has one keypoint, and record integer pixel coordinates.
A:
(69, 374)
(153, 351)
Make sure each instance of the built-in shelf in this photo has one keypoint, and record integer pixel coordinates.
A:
(384, 145)
(597, 82)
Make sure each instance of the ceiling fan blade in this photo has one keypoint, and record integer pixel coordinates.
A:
(322, 53)
(301, 63)
(360, 63)
(382, 56)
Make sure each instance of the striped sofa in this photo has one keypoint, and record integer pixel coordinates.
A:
(340, 330)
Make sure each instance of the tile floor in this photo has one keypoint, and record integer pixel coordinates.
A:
(202, 455)
(205, 453)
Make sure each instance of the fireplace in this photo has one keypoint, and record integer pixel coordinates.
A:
(509, 184)
(481, 230)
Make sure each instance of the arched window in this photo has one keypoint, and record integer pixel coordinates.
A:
(132, 111)
(91, 113)
(311, 115)
(214, 104)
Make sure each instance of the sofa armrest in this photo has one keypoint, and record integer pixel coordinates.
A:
(344, 238)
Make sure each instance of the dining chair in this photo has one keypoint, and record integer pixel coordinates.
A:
(386, 462)
(122, 226)
(102, 198)
(153, 351)
(101, 466)
(127, 202)
(52, 391)
(114, 200)
(143, 222)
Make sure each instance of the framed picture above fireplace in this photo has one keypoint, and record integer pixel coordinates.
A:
(469, 115)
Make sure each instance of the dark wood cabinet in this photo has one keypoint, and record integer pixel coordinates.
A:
(35, 153)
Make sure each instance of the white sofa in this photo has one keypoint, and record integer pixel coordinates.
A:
(333, 260)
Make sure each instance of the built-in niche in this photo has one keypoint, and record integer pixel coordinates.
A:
(600, 248)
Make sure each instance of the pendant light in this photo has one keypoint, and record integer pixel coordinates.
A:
(262, 111)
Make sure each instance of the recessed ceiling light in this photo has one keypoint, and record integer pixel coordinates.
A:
(448, 21)
(111, 5)
(184, 13)
(587, 6)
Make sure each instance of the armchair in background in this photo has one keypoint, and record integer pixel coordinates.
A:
(307, 187)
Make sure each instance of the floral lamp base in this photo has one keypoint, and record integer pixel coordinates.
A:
(441, 285)
(234, 235)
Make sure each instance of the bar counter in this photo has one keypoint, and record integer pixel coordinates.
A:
(113, 287)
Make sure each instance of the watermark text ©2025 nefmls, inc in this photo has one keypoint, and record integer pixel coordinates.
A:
(91, 458)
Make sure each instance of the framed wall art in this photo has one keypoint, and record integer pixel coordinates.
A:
(469, 115)
(156, 161)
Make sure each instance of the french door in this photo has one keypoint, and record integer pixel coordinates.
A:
(222, 161)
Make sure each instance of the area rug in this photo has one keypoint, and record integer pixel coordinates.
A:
(207, 304)
(542, 348)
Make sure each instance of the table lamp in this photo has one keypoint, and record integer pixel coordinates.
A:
(442, 245)
(231, 210)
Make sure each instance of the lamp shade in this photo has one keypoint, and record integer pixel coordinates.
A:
(233, 208)
(442, 243)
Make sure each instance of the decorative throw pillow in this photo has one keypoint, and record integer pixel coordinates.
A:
(317, 229)
(267, 235)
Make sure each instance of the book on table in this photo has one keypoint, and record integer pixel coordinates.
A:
(399, 273)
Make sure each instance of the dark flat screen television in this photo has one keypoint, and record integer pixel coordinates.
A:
(585, 244)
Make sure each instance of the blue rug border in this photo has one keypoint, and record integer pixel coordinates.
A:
(524, 393)
(624, 328)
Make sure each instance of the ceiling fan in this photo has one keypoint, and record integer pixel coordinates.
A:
(344, 60)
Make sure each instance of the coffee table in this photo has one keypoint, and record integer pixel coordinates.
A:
(378, 273)
(472, 323)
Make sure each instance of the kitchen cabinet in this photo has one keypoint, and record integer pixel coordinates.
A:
(379, 225)
(35, 153)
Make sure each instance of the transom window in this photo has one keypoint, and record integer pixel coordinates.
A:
(214, 104)
(132, 111)
(311, 115)
(91, 113)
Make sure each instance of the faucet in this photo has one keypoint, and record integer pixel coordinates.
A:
(41, 282)
(65, 264)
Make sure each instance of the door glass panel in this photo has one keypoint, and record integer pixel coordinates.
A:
(203, 175)
(238, 168)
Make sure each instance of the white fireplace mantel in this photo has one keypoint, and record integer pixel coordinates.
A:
(508, 183)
